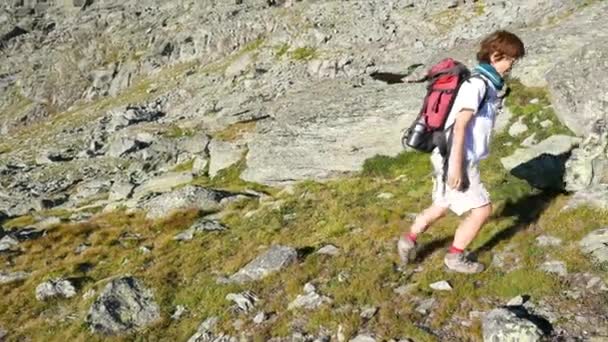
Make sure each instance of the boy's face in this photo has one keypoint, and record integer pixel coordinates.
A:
(502, 64)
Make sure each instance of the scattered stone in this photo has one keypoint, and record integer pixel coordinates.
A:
(516, 301)
(7, 243)
(82, 247)
(363, 338)
(329, 250)
(425, 306)
(548, 241)
(309, 301)
(259, 318)
(205, 333)
(188, 197)
(441, 286)
(245, 302)
(556, 267)
(3, 334)
(518, 128)
(8, 278)
(404, 289)
(124, 306)
(180, 310)
(385, 195)
(546, 123)
(368, 312)
(55, 288)
(145, 249)
(596, 244)
(274, 259)
(534, 101)
(200, 226)
(504, 325)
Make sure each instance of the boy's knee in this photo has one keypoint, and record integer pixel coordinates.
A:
(483, 212)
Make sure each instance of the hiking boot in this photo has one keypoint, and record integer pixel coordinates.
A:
(457, 262)
(407, 250)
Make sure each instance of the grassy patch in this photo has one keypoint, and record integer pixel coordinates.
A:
(303, 53)
(281, 50)
(236, 131)
(533, 105)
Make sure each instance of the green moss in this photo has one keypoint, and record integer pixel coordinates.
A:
(20, 222)
(185, 166)
(533, 114)
(281, 50)
(303, 53)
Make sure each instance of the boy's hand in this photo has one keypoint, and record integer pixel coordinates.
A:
(455, 178)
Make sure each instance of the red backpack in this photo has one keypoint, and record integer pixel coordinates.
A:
(428, 131)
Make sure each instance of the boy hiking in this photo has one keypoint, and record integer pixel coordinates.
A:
(470, 122)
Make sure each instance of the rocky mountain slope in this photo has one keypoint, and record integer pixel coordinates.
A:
(228, 170)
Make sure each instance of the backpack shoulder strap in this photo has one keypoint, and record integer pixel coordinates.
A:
(487, 85)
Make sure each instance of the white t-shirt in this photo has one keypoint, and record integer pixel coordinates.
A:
(479, 129)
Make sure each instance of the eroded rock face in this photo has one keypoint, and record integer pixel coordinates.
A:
(124, 306)
(596, 245)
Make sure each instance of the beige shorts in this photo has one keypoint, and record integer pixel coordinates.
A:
(459, 202)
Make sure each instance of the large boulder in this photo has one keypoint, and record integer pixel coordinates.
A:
(124, 306)
(578, 89)
(188, 197)
(330, 130)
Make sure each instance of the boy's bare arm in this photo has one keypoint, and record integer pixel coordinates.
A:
(457, 153)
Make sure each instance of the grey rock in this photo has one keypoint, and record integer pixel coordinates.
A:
(580, 101)
(180, 310)
(259, 318)
(556, 267)
(8, 243)
(205, 333)
(164, 183)
(502, 119)
(516, 301)
(202, 225)
(368, 312)
(505, 325)
(3, 334)
(546, 123)
(542, 165)
(548, 241)
(425, 306)
(8, 278)
(385, 195)
(518, 128)
(594, 196)
(329, 250)
(120, 191)
(244, 302)
(596, 244)
(310, 300)
(55, 288)
(441, 286)
(188, 197)
(274, 259)
(223, 155)
(363, 338)
(124, 306)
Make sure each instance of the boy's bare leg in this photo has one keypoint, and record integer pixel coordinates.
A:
(406, 247)
(471, 225)
(468, 229)
(427, 218)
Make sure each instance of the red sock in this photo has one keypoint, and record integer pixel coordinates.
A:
(411, 236)
(455, 250)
